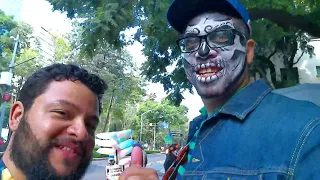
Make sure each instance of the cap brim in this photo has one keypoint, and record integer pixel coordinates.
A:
(181, 12)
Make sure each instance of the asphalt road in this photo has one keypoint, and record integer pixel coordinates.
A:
(96, 170)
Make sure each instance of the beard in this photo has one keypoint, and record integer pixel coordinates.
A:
(33, 159)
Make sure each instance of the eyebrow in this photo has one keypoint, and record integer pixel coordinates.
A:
(63, 103)
(224, 27)
(67, 103)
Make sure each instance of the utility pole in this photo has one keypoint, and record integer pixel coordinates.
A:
(154, 136)
(141, 124)
(11, 66)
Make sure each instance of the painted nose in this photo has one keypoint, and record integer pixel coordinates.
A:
(205, 51)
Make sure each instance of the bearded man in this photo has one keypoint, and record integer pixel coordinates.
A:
(244, 131)
(53, 125)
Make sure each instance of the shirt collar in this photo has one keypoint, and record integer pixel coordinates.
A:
(244, 101)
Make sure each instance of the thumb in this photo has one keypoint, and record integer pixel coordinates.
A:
(136, 157)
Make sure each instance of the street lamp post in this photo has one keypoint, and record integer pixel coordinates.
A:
(11, 66)
(141, 123)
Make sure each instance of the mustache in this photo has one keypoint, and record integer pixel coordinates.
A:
(63, 140)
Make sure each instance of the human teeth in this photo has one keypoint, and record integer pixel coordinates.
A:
(202, 71)
(203, 66)
(211, 64)
(67, 149)
(203, 79)
(208, 65)
(198, 78)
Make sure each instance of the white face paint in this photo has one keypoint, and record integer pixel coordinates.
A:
(214, 68)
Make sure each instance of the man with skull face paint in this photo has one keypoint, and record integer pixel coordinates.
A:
(244, 131)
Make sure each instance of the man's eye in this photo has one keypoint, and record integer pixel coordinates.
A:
(60, 113)
(219, 37)
(191, 43)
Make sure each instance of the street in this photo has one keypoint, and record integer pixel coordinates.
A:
(97, 168)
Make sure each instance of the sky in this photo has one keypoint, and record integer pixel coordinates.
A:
(38, 13)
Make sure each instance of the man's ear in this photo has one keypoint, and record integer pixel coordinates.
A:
(250, 51)
(16, 114)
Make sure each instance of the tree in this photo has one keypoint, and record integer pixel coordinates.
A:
(115, 66)
(157, 113)
(277, 44)
(295, 21)
(10, 28)
(6, 43)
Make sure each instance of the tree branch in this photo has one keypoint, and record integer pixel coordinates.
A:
(263, 74)
(273, 53)
(287, 20)
(298, 59)
(294, 50)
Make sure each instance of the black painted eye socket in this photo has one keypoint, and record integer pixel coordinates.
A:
(214, 39)
(189, 44)
(220, 38)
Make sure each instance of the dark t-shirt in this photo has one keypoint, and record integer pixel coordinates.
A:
(170, 158)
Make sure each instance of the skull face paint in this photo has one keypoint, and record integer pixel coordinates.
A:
(214, 54)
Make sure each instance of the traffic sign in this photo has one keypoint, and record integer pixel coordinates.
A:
(168, 139)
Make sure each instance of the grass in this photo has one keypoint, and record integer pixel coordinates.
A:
(152, 151)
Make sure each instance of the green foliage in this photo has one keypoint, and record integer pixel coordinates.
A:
(7, 24)
(153, 112)
(275, 24)
(115, 66)
(97, 155)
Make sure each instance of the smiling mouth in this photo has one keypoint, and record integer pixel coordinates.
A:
(209, 72)
(69, 150)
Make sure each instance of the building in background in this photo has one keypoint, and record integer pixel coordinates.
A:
(307, 68)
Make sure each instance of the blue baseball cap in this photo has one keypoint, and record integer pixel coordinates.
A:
(182, 11)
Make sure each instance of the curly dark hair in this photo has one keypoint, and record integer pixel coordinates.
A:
(38, 82)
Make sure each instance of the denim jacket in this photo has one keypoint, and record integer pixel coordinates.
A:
(257, 134)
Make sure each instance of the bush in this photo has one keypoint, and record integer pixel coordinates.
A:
(152, 151)
(97, 155)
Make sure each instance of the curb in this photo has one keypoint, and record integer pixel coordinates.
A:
(98, 159)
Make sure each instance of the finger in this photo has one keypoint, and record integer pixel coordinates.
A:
(125, 161)
(126, 144)
(137, 157)
(124, 152)
(140, 173)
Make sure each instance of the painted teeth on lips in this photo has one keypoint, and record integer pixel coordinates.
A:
(209, 72)
(209, 65)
